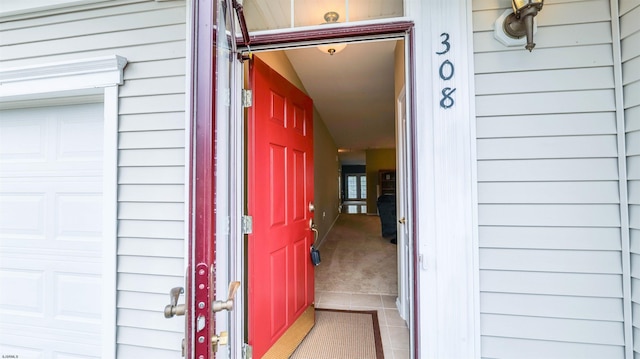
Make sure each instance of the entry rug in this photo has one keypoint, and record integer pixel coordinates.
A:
(342, 334)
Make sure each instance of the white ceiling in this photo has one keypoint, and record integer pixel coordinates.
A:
(353, 90)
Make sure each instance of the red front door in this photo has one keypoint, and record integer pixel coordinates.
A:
(279, 194)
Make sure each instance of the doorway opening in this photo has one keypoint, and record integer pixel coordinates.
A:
(341, 134)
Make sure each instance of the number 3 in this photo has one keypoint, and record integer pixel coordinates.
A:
(445, 42)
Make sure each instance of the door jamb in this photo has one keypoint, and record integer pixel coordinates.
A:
(404, 29)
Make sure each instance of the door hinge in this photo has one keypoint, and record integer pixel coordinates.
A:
(247, 224)
(247, 98)
(247, 351)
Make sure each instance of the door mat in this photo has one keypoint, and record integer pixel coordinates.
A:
(342, 334)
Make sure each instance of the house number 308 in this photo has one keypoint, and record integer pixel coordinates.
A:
(446, 72)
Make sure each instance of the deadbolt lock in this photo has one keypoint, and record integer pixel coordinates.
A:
(217, 340)
(174, 308)
(220, 305)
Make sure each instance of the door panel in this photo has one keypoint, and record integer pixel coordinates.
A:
(280, 188)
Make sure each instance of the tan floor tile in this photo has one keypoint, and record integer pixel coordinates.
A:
(394, 319)
(389, 301)
(333, 300)
(400, 354)
(399, 337)
(366, 300)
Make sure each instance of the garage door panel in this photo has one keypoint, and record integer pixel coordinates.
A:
(23, 141)
(80, 139)
(22, 281)
(78, 216)
(51, 231)
(22, 215)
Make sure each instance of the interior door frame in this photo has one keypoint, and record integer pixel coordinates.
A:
(287, 38)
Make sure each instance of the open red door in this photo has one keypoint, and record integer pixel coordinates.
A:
(280, 200)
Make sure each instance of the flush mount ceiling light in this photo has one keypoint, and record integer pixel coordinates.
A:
(331, 18)
(518, 24)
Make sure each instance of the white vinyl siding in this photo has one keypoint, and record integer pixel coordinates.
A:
(551, 258)
(151, 35)
(630, 49)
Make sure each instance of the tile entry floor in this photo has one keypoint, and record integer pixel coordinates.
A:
(359, 272)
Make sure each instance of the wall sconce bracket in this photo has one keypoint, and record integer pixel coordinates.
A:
(506, 39)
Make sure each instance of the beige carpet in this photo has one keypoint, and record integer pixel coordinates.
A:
(342, 334)
(356, 259)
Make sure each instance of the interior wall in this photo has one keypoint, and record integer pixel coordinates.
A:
(378, 159)
(325, 157)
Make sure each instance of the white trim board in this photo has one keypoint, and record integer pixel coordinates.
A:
(72, 82)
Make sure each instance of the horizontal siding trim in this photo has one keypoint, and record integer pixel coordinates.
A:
(151, 265)
(539, 260)
(592, 169)
(155, 69)
(541, 283)
(629, 22)
(132, 351)
(586, 308)
(632, 118)
(547, 147)
(633, 142)
(553, 14)
(151, 139)
(150, 193)
(111, 40)
(151, 229)
(153, 86)
(95, 25)
(550, 37)
(497, 347)
(161, 247)
(152, 121)
(152, 104)
(151, 211)
(577, 238)
(568, 330)
(138, 53)
(633, 168)
(593, 123)
(151, 175)
(561, 215)
(152, 157)
(134, 282)
(549, 192)
(150, 338)
(141, 301)
(632, 93)
(629, 46)
(631, 71)
(152, 318)
(545, 81)
(545, 103)
(543, 59)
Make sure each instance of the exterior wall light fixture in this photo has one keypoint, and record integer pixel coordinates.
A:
(516, 25)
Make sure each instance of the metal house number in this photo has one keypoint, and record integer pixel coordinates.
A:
(446, 72)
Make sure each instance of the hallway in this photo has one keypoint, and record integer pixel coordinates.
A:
(359, 272)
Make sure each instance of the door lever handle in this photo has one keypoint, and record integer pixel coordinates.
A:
(220, 305)
(174, 308)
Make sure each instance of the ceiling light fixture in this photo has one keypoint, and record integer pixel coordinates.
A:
(331, 17)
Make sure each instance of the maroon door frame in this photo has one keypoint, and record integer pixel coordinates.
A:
(202, 165)
(201, 169)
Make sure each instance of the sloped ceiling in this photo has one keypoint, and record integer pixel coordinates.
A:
(353, 90)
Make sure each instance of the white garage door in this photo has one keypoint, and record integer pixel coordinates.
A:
(51, 231)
